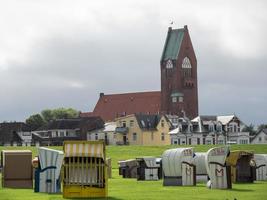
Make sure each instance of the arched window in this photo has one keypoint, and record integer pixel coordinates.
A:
(169, 64)
(186, 67)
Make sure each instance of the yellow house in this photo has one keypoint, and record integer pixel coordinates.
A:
(142, 129)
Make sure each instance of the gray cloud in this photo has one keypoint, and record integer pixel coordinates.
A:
(68, 61)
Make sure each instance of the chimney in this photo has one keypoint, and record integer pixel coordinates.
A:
(101, 94)
(170, 29)
(185, 27)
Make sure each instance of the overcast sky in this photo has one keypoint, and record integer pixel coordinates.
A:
(64, 53)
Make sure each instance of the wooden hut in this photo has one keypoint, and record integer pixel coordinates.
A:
(85, 171)
(17, 168)
(47, 175)
(128, 168)
(148, 168)
(242, 166)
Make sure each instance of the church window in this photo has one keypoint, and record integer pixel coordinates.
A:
(186, 67)
(169, 64)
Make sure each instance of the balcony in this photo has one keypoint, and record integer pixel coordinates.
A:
(123, 130)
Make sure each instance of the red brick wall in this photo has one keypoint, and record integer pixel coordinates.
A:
(173, 80)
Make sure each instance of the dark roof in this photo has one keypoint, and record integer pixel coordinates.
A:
(264, 130)
(9, 130)
(89, 123)
(172, 44)
(86, 114)
(208, 117)
(112, 106)
(147, 121)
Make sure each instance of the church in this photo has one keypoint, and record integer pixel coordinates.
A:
(179, 89)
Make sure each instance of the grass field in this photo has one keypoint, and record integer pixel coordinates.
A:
(122, 189)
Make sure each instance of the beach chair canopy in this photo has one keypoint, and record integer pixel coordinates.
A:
(172, 160)
(260, 160)
(235, 155)
(200, 163)
(84, 149)
(50, 158)
(216, 156)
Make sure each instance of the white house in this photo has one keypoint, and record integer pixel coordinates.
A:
(260, 137)
(108, 134)
(210, 130)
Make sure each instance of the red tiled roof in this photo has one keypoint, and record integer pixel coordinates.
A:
(111, 106)
(86, 114)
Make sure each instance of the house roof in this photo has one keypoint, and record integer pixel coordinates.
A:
(224, 119)
(172, 44)
(110, 127)
(112, 106)
(147, 121)
(9, 130)
(86, 114)
(90, 123)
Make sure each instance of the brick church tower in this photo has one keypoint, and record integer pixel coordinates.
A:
(178, 65)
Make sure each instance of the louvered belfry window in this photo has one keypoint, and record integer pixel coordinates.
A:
(186, 67)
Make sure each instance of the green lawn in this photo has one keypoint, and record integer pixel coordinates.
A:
(131, 189)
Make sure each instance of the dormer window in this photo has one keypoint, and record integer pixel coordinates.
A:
(211, 127)
(169, 64)
(219, 128)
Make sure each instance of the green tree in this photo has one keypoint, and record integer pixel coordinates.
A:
(59, 113)
(262, 126)
(65, 113)
(35, 121)
(250, 129)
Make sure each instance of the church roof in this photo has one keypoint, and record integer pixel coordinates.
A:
(112, 106)
(173, 44)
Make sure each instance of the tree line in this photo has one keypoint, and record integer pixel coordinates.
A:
(40, 119)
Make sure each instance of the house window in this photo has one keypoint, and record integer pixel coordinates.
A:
(203, 141)
(233, 127)
(191, 128)
(211, 128)
(124, 124)
(131, 123)
(189, 141)
(259, 139)
(181, 99)
(174, 99)
(61, 134)
(243, 142)
(152, 135)
(219, 127)
(162, 123)
(96, 136)
(220, 142)
(162, 136)
(134, 136)
(198, 140)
